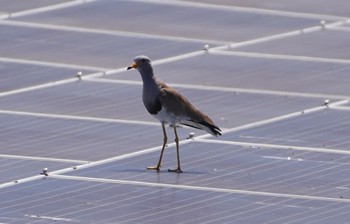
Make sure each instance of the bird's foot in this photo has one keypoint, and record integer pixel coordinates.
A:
(157, 168)
(178, 170)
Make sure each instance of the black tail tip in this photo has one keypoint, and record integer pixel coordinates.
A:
(216, 131)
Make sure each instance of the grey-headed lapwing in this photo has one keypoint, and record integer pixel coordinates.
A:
(169, 107)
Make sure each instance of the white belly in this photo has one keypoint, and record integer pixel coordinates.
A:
(164, 117)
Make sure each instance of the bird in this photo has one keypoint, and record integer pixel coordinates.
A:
(170, 107)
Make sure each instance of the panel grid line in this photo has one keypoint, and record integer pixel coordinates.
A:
(210, 189)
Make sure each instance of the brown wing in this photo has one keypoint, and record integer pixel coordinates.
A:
(180, 106)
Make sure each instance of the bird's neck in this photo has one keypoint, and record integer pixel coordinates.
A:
(147, 76)
(146, 71)
(150, 88)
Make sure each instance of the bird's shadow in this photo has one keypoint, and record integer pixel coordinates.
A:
(164, 171)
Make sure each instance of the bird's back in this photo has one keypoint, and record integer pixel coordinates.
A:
(183, 112)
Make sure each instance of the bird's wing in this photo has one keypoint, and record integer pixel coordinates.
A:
(179, 106)
(175, 103)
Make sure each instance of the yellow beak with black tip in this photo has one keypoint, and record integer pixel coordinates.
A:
(134, 65)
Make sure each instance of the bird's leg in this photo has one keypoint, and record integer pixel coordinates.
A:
(178, 170)
(161, 153)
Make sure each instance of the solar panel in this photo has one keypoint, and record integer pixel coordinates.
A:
(147, 17)
(274, 77)
(329, 44)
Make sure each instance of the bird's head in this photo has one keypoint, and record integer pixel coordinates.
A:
(141, 62)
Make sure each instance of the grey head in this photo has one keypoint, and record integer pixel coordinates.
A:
(143, 64)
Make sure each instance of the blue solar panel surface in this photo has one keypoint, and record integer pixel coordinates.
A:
(274, 76)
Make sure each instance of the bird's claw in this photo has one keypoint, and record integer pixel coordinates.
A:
(157, 168)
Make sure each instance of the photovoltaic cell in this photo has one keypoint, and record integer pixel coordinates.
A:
(274, 77)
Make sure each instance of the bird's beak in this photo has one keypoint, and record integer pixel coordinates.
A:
(133, 65)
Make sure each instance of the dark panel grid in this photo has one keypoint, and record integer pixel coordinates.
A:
(110, 100)
(14, 169)
(254, 73)
(220, 165)
(12, 6)
(15, 76)
(150, 18)
(87, 202)
(335, 8)
(87, 49)
(235, 167)
(73, 139)
(322, 44)
(325, 129)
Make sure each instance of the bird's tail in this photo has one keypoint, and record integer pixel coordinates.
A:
(210, 128)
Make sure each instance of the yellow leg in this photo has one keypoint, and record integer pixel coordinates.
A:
(161, 153)
(178, 170)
